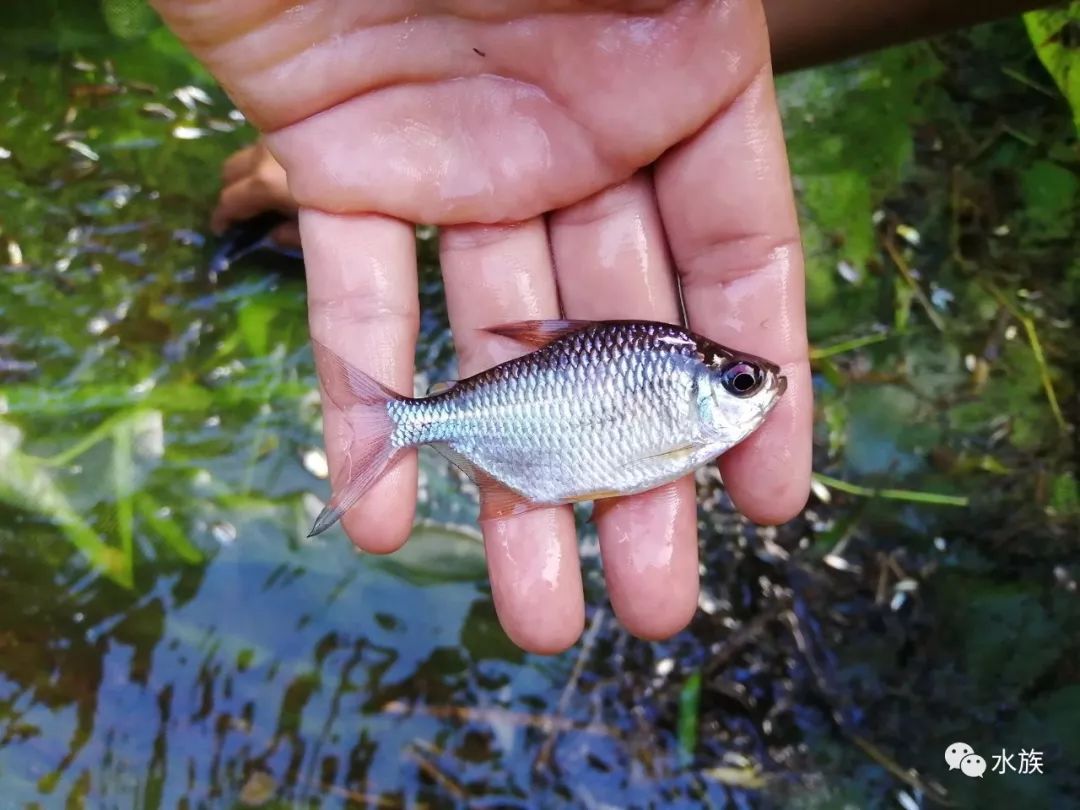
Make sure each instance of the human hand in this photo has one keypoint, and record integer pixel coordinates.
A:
(253, 182)
(583, 158)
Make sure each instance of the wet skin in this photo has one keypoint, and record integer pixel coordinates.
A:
(582, 159)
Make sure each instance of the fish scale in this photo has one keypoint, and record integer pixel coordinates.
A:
(583, 410)
(598, 409)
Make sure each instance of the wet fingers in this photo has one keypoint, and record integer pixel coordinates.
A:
(363, 305)
(612, 262)
(495, 275)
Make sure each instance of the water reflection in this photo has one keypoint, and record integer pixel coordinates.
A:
(210, 655)
(267, 659)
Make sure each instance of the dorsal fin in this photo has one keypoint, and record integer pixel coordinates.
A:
(538, 334)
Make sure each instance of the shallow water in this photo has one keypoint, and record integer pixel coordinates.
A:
(169, 639)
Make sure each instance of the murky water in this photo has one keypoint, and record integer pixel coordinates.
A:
(163, 424)
(168, 639)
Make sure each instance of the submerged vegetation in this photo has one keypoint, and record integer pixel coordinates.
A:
(168, 638)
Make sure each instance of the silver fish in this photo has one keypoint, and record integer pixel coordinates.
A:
(600, 409)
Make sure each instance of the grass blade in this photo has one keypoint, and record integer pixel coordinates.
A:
(911, 495)
(689, 706)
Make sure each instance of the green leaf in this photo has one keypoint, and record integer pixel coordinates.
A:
(129, 19)
(26, 483)
(1052, 32)
(1050, 196)
(254, 319)
(841, 204)
(437, 554)
(1064, 496)
(849, 132)
(483, 637)
(123, 469)
(56, 26)
(689, 716)
(167, 529)
(1058, 713)
(856, 116)
(1009, 638)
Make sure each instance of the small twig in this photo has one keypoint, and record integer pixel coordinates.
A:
(1029, 82)
(894, 566)
(431, 769)
(954, 214)
(847, 346)
(891, 494)
(883, 579)
(365, 799)
(749, 778)
(741, 637)
(587, 644)
(495, 716)
(905, 271)
(995, 133)
(1023, 137)
(909, 777)
(1036, 348)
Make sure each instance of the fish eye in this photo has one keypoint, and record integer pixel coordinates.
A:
(742, 379)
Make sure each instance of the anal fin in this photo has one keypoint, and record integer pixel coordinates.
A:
(496, 499)
(499, 501)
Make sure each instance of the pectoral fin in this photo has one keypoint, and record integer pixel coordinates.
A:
(680, 453)
(597, 495)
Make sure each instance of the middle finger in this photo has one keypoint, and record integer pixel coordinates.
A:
(611, 261)
(495, 275)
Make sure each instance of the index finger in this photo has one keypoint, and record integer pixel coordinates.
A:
(728, 208)
(364, 306)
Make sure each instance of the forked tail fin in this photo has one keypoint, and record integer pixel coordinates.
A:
(363, 402)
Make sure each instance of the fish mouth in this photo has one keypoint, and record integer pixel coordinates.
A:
(781, 385)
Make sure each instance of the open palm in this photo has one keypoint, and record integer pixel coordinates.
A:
(587, 159)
